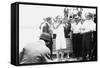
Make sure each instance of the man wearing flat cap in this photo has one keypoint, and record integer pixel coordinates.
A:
(36, 52)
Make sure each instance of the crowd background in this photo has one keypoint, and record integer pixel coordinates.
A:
(67, 32)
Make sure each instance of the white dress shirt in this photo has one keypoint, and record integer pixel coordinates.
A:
(76, 27)
(88, 26)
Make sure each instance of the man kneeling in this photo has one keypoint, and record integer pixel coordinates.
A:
(36, 52)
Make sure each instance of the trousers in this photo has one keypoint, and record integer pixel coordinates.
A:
(77, 44)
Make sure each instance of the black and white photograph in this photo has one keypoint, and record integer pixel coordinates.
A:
(51, 34)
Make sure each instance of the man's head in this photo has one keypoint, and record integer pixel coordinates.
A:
(76, 15)
(49, 20)
(89, 16)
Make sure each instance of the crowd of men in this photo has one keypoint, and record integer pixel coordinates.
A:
(70, 33)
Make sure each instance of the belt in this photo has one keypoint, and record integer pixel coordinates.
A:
(75, 33)
(85, 32)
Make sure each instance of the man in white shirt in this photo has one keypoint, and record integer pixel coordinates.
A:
(87, 28)
(76, 38)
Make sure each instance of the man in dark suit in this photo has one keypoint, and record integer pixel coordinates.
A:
(46, 27)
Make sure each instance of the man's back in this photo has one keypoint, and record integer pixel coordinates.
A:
(35, 52)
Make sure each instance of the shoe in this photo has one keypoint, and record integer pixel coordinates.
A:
(80, 58)
(83, 58)
(88, 58)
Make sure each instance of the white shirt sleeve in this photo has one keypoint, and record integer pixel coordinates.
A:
(88, 26)
(93, 26)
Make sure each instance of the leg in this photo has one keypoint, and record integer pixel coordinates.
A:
(88, 45)
(62, 54)
(83, 47)
(79, 45)
(58, 55)
(74, 45)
